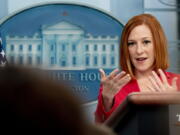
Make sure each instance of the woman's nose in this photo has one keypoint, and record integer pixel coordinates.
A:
(139, 49)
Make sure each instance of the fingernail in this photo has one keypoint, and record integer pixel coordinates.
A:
(153, 72)
(160, 70)
(128, 75)
(123, 72)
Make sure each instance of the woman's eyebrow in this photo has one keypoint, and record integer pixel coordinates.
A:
(146, 37)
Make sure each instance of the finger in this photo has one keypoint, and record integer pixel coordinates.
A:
(124, 80)
(154, 84)
(163, 77)
(150, 88)
(174, 83)
(113, 73)
(157, 80)
(119, 76)
(102, 73)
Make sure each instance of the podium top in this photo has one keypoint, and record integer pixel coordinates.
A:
(159, 98)
(141, 99)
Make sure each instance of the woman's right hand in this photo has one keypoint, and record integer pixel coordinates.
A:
(111, 85)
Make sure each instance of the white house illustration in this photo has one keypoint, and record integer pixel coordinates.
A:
(63, 46)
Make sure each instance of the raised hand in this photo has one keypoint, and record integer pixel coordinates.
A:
(161, 84)
(111, 85)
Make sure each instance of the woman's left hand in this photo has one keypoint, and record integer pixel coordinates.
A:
(161, 84)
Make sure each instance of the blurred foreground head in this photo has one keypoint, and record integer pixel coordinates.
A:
(29, 99)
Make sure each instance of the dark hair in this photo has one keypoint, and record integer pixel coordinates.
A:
(28, 99)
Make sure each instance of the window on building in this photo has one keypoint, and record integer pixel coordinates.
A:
(112, 47)
(12, 59)
(30, 48)
(20, 60)
(73, 47)
(63, 47)
(104, 60)
(38, 60)
(52, 47)
(29, 60)
(95, 47)
(87, 48)
(87, 61)
(52, 61)
(112, 61)
(20, 48)
(39, 47)
(63, 63)
(104, 48)
(95, 60)
(12, 47)
(74, 61)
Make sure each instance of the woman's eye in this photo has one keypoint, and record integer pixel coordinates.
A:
(146, 41)
(130, 43)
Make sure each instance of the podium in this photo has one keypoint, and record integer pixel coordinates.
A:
(147, 114)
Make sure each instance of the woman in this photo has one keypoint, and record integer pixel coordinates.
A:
(143, 60)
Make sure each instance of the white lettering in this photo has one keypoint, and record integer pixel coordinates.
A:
(83, 76)
(92, 76)
(89, 76)
(64, 76)
(80, 89)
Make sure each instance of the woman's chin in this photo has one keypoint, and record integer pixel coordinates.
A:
(142, 70)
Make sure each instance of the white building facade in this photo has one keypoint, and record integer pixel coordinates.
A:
(63, 46)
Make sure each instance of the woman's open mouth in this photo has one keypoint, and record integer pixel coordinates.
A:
(142, 59)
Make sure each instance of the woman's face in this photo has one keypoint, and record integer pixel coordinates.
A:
(141, 48)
